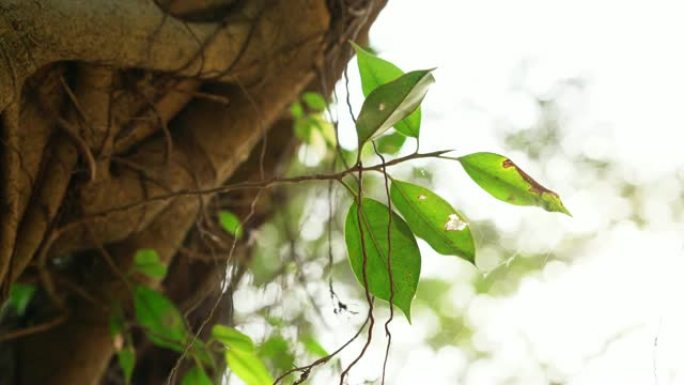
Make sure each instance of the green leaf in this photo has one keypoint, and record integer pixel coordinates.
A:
(146, 262)
(405, 256)
(231, 223)
(196, 376)
(126, 354)
(20, 296)
(315, 101)
(325, 129)
(505, 181)
(277, 350)
(392, 102)
(390, 144)
(126, 359)
(163, 323)
(116, 321)
(248, 367)
(296, 110)
(314, 347)
(432, 218)
(201, 353)
(303, 129)
(375, 72)
(232, 338)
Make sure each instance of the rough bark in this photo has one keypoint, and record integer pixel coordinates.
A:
(111, 113)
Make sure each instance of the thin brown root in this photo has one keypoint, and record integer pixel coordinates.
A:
(39, 328)
(72, 133)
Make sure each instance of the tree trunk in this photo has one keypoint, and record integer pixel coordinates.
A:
(118, 119)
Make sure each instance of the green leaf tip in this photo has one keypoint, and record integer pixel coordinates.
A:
(232, 338)
(196, 376)
(231, 223)
(504, 180)
(20, 296)
(126, 360)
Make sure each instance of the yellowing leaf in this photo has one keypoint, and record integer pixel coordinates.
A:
(504, 180)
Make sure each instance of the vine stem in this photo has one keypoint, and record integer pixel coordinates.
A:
(369, 299)
(338, 176)
(389, 262)
(305, 370)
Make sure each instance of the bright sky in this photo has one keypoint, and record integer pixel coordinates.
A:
(615, 315)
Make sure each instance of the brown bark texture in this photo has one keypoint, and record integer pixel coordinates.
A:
(114, 116)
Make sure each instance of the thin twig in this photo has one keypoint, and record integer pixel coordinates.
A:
(74, 99)
(268, 183)
(305, 370)
(72, 133)
(361, 220)
(389, 264)
(204, 95)
(219, 298)
(109, 260)
(41, 327)
(43, 273)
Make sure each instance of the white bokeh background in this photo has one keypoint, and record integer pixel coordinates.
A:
(615, 314)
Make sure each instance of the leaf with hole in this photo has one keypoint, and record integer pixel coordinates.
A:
(163, 323)
(432, 218)
(405, 256)
(504, 180)
(248, 367)
(196, 376)
(232, 338)
(390, 103)
(375, 72)
(146, 262)
(230, 223)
